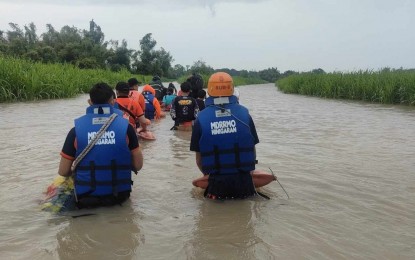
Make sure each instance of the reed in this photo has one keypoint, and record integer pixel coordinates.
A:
(384, 86)
(22, 80)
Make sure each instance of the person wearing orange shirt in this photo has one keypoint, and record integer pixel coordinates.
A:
(135, 94)
(153, 108)
(132, 110)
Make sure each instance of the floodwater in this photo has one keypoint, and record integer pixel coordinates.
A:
(348, 167)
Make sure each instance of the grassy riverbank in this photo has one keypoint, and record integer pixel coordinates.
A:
(385, 86)
(22, 80)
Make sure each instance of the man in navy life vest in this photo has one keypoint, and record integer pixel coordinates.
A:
(224, 139)
(103, 176)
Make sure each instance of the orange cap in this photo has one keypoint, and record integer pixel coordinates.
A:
(220, 84)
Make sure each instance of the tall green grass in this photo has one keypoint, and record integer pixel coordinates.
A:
(384, 86)
(22, 80)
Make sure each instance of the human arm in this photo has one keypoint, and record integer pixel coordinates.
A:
(140, 118)
(136, 154)
(144, 122)
(157, 107)
(68, 154)
(194, 143)
(199, 161)
(137, 159)
(65, 167)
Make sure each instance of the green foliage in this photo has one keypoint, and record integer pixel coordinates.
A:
(200, 67)
(270, 74)
(150, 61)
(22, 80)
(385, 86)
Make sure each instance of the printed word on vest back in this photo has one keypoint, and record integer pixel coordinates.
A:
(223, 127)
(107, 138)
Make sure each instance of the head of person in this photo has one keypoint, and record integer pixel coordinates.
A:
(101, 93)
(122, 88)
(148, 88)
(220, 84)
(133, 83)
(201, 94)
(156, 78)
(185, 87)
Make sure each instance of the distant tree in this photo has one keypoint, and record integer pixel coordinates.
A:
(270, 74)
(30, 35)
(88, 63)
(318, 71)
(94, 34)
(47, 54)
(163, 60)
(145, 56)
(177, 71)
(201, 67)
(16, 41)
(150, 61)
(288, 73)
(119, 56)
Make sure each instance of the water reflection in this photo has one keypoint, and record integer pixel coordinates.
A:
(225, 230)
(179, 145)
(110, 234)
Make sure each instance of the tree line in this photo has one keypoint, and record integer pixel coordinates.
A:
(88, 49)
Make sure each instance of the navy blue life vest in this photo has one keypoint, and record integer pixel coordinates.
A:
(150, 109)
(226, 144)
(106, 169)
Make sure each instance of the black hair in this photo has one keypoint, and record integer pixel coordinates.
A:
(133, 81)
(171, 88)
(201, 93)
(101, 93)
(185, 86)
(122, 87)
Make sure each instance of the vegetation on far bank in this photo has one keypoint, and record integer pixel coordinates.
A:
(88, 49)
(388, 86)
(22, 80)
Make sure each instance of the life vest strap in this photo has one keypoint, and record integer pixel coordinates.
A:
(104, 167)
(227, 151)
(114, 178)
(228, 166)
(237, 157)
(217, 160)
(103, 183)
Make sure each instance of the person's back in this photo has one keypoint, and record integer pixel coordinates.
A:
(131, 108)
(196, 82)
(153, 108)
(224, 139)
(184, 108)
(159, 88)
(102, 177)
(168, 99)
(135, 94)
(201, 95)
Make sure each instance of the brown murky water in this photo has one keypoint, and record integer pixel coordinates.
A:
(349, 168)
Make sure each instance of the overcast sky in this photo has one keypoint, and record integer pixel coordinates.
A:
(300, 35)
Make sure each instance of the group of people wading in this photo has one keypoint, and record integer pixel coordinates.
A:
(102, 150)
